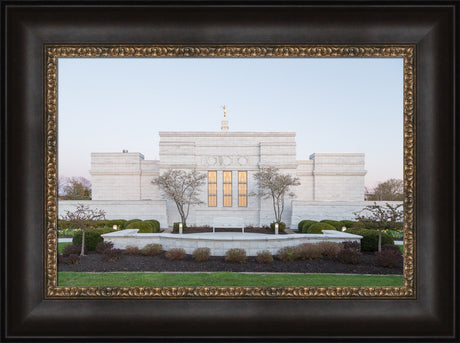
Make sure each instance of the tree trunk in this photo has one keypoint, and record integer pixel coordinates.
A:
(380, 240)
(82, 253)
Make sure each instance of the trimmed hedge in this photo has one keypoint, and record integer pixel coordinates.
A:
(319, 227)
(143, 226)
(118, 222)
(338, 225)
(176, 227)
(348, 223)
(302, 223)
(132, 221)
(370, 239)
(155, 224)
(281, 226)
(92, 237)
(307, 224)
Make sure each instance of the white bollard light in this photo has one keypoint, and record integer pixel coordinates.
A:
(115, 227)
(344, 229)
(180, 228)
(276, 228)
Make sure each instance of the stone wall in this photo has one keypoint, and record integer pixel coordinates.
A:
(219, 243)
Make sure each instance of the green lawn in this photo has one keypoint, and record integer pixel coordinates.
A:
(62, 245)
(224, 279)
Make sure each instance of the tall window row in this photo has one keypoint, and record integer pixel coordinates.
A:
(227, 186)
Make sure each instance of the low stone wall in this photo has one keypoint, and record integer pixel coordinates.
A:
(220, 242)
(122, 209)
(335, 210)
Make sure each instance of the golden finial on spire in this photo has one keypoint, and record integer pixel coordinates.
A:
(225, 110)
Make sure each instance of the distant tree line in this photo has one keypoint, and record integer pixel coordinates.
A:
(74, 188)
(390, 190)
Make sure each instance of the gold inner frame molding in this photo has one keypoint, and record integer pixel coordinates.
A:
(54, 52)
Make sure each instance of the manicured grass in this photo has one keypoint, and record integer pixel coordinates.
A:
(62, 245)
(223, 279)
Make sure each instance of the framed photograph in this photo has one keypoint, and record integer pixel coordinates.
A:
(81, 85)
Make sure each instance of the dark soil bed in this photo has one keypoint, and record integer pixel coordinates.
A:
(263, 230)
(96, 263)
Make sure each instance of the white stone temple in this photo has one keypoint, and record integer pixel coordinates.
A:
(331, 184)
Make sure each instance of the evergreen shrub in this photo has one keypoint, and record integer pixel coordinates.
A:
(281, 226)
(370, 239)
(306, 224)
(338, 225)
(319, 227)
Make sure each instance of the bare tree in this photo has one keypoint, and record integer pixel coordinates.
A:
(381, 217)
(84, 218)
(183, 188)
(390, 190)
(272, 184)
(74, 188)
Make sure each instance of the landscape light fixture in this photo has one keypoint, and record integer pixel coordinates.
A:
(276, 228)
(180, 228)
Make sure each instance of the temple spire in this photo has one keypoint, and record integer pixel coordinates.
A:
(224, 124)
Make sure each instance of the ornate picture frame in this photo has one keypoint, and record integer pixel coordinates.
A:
(37, 35)
(203, 51)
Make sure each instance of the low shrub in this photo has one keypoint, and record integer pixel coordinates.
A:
(347, 223)
(155, 224)
(73, 259)
(132, 250)
(281, 226)
(101, 223)
(370, 239)
(302, 222)
(102, 246)
(352, 245)
(72, 249)
(388, 258)
(112, 255)
(131, 221)
(201, 254)
(391, 247)
(175, 254)
(349, 256)
(287, 254)
(142, 226)
(329, 250)
(319, 227)
(308, 251)
(152, 250)
(120, 223)
(338, 225)
(264, 257)
(176, 227)
(306, 224)
(235, 256)
(92, 237)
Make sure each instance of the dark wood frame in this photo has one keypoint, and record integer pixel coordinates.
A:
(30, 25)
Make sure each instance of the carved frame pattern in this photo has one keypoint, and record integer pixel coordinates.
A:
(53, 52)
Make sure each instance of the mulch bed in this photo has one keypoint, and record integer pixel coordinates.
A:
(263, 230)
(94, 262)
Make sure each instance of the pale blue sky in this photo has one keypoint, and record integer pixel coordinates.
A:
(333, 104)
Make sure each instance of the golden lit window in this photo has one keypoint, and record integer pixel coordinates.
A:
(212, 188)
(242, 189)
(227, 188)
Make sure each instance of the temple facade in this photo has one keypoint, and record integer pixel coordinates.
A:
(331, 184)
